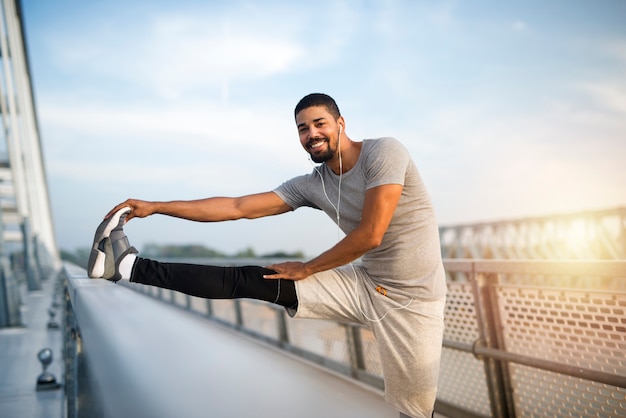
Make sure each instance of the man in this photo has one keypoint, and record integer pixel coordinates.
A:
(373, 191)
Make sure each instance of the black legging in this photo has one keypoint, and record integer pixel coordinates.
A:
(213, 282)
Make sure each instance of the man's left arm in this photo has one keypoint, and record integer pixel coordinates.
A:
(378, 208)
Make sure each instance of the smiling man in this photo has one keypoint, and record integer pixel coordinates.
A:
(373, 191)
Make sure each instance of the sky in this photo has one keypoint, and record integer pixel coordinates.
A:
(509, 109)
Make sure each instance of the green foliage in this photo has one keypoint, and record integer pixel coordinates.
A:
(247, 253)
(282, 254)
(178, 251)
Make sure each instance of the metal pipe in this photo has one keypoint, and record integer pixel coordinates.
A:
(480, 352)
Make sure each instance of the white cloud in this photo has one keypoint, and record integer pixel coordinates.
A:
(183, 55)
(482, 162)
(175, 55)
(617, 49)
(609, 94)
(196, 145)
(443, 15)
(519, 26)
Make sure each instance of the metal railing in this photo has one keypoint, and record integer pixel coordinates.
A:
(523, 338)
(535, 338)
(127, 355)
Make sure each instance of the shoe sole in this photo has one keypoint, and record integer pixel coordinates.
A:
(97, 256)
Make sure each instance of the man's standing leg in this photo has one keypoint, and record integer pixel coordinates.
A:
(409, 341)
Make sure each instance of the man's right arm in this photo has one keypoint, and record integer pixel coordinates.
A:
(213, 209)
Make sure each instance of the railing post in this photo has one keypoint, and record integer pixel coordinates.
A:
(622, 232)
(238, 314)
(355, 349)
(10, 315)
(70, 343)
(209, 308)
(33, 278)
(283, 336)
(497, 336)
(495, 370)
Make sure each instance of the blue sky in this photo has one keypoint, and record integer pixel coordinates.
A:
(509, 109)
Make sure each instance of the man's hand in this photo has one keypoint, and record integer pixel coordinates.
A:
(291, 270)
(138, 209)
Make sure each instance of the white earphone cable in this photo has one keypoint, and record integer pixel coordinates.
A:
(338, 216)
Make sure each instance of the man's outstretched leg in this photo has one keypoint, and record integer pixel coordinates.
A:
(215, 282)
(113, 258)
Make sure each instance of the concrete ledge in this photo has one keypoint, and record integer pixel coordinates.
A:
(152, 359)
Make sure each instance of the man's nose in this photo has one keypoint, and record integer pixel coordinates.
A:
(313, 132)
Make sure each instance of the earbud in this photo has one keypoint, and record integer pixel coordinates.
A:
(340, 129)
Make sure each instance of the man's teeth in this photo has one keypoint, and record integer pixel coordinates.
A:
(317, 144)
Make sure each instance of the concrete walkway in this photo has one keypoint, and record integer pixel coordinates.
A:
(19, 366)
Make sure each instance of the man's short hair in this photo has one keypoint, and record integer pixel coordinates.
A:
(318, 99)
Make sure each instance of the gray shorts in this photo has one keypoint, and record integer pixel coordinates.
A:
(408, 331)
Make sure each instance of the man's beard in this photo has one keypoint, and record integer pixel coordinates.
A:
(323, 157)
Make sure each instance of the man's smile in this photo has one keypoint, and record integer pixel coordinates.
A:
(316, 143)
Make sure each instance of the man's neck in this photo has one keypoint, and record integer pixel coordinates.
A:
(350, 151)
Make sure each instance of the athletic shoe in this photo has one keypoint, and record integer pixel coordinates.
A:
(101, 263)
(120, 249)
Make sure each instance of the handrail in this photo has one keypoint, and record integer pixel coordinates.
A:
(150, 359)
(481, 353)
(498, 312)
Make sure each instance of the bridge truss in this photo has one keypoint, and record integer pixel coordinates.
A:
(26, 227)
(591, 235)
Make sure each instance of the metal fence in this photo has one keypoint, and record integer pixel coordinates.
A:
(522, 339)
(536, 339)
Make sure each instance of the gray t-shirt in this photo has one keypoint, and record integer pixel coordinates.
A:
(409, 257)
